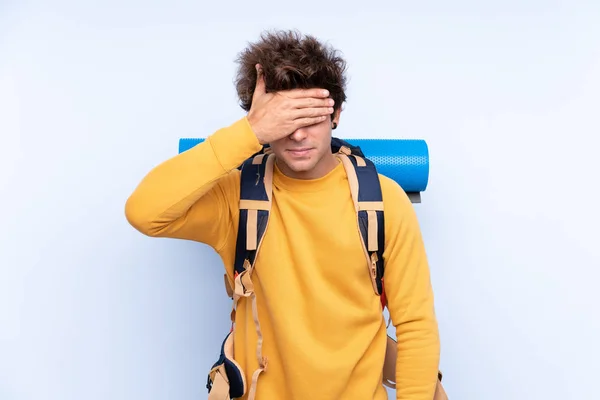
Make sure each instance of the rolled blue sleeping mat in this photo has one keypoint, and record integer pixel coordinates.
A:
(406, 161)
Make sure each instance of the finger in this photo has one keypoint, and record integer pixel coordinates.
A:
(316, 92)
(301, 122)
(312, 112)
(311, 102)
(259, 88)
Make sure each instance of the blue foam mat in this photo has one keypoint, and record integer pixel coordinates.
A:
(406, 161)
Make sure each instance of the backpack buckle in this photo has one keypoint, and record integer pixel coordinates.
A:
(243, 284)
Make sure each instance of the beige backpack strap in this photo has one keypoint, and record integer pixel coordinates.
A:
(369, 210)
(255, 205)
(220, 387)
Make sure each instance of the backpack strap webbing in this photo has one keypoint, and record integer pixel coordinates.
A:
(365, 189)
(255, 203)
(256, 186)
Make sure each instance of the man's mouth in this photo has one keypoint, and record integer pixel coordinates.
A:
(299, 152)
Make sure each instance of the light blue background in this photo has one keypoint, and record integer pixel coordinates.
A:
(94, 94)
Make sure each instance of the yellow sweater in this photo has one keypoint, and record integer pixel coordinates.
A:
(324, 332)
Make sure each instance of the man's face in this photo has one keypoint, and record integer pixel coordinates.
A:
(306, 153)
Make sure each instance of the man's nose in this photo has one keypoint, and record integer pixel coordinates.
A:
(299, 135)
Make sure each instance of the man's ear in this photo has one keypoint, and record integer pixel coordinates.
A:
(335, 117)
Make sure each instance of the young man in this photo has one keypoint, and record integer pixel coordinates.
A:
(321, 325)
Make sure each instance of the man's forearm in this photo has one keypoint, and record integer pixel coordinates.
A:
(410, 300)
(166, 194)
(417, 364)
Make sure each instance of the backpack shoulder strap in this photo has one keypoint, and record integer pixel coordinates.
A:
(256, 186)
(365, 189)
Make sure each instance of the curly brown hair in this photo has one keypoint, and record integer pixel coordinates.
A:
(291, 60)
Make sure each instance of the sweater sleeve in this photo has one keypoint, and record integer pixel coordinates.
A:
(189, 195)
(410, 298)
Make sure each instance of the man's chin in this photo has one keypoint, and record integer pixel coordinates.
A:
(296, 166)
(300, 166)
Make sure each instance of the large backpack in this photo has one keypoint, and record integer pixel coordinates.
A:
(226, 379)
